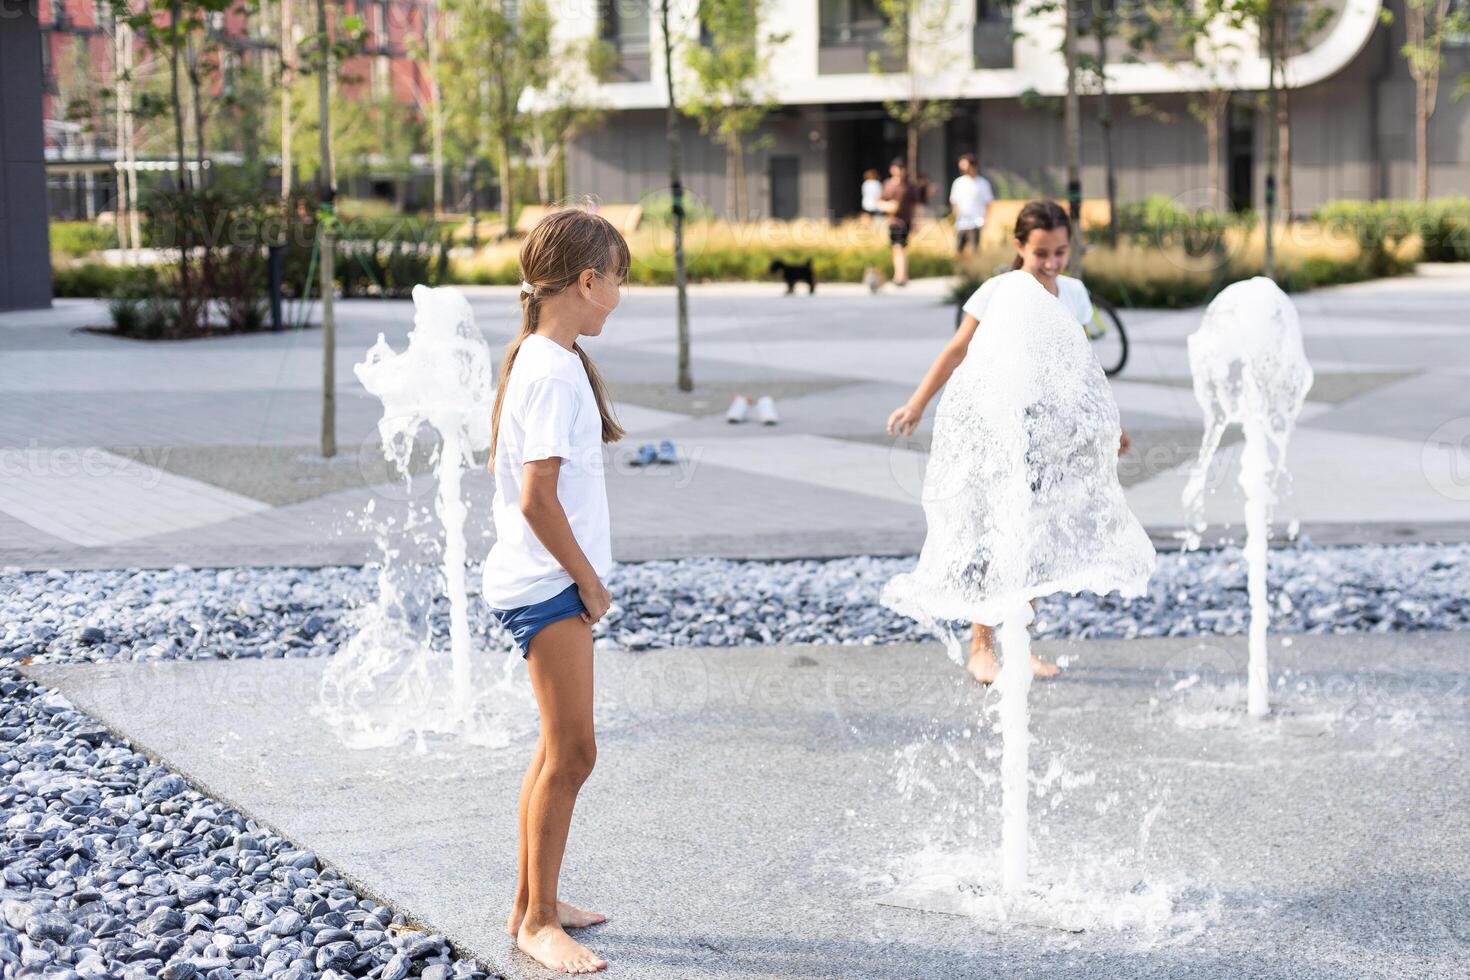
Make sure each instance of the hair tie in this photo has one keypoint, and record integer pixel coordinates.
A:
(527, 288)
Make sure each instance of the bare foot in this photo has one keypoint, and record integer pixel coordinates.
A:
(555, 950)
(571, 918)
(1042, 668)
(984, 667)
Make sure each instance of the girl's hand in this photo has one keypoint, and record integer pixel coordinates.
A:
(595, 597)
(1124, 444)
(904, 420)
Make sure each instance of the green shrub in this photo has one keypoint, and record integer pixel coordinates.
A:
(1446, 230)
(1161, 221)
(77, 239)
(89, 280)
(658, 209)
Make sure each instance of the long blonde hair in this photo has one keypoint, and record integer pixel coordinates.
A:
(561, 246)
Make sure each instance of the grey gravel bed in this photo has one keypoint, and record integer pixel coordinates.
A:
(184, 613)
(115, 868)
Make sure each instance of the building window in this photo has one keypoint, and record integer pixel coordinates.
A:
(623, 25)
(850, 33)
(994, 39)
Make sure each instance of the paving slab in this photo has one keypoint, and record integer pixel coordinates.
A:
(824, 812)
(1380, 454)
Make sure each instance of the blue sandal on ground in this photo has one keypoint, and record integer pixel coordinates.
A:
(667, 453)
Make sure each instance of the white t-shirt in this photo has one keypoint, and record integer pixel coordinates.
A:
(1070, 291)
(549, 410)
(872, 190)
(970, 196)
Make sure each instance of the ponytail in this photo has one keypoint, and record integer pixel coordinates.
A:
(561, 246)
(530, 315)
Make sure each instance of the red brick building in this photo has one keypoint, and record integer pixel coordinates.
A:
(79, 54)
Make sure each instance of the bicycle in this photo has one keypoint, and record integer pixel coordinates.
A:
(1106, 332)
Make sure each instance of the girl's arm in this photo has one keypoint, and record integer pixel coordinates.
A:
(906, 417)
(548, 521)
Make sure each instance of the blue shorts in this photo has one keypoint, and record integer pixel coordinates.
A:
(524, 622)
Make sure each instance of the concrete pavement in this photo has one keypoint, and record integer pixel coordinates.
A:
(118, 453)
(812, 812)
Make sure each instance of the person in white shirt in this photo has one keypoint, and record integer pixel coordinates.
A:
(969, 196)
(544, 577)
(1043, 241)
(872, 190)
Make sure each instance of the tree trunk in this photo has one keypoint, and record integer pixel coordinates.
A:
(742, 189)
(507, 192)
(1105, 121)
(288, 67)
(912, 134)
(1213, 112)
(1421, 139)
(135, 228)
(187, 316)
(436, 108)
(1273, 133)
(732, 198)
(324, 235)
(560, 183)
(1284, 124)
(119, 167)
(1072, 124)
(676, 192)
(196, 83)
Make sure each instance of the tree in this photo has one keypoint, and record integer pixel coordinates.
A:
(565, 104)
(729, 96)
(676, 193)
(1072, 125)
(287, 39)
(1426, 24)
(324, 50)
(1101, 23)
(1216, 56)
(920, 29)
(1268, 20)
(493, 52)
(169, 36)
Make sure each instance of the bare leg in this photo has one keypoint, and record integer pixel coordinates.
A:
(900, 265)
(561, 673)
(983, 665)
(570, 915)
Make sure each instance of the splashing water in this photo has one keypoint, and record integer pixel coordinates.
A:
(1249, 368)
(1022, 499)
(390, 681)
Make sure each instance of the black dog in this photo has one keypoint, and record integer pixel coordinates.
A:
(795, 274)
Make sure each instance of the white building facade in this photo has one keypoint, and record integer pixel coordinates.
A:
(1350, 95)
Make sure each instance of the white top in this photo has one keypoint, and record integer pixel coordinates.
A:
(872, 190)
(549, 410)
(969, 196)
(1070, 291)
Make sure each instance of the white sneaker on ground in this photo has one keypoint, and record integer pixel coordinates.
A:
(765, 410)
(739, 409)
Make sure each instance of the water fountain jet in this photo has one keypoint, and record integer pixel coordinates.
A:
(1250, 368)
(391, 681)
(1022, 499)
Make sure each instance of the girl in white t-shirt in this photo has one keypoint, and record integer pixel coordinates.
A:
(1043, 242)
(544, 577)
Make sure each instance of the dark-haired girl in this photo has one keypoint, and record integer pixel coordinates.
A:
(1043, 243)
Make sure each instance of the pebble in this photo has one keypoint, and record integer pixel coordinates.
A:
(188, 614)
(142, 882)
